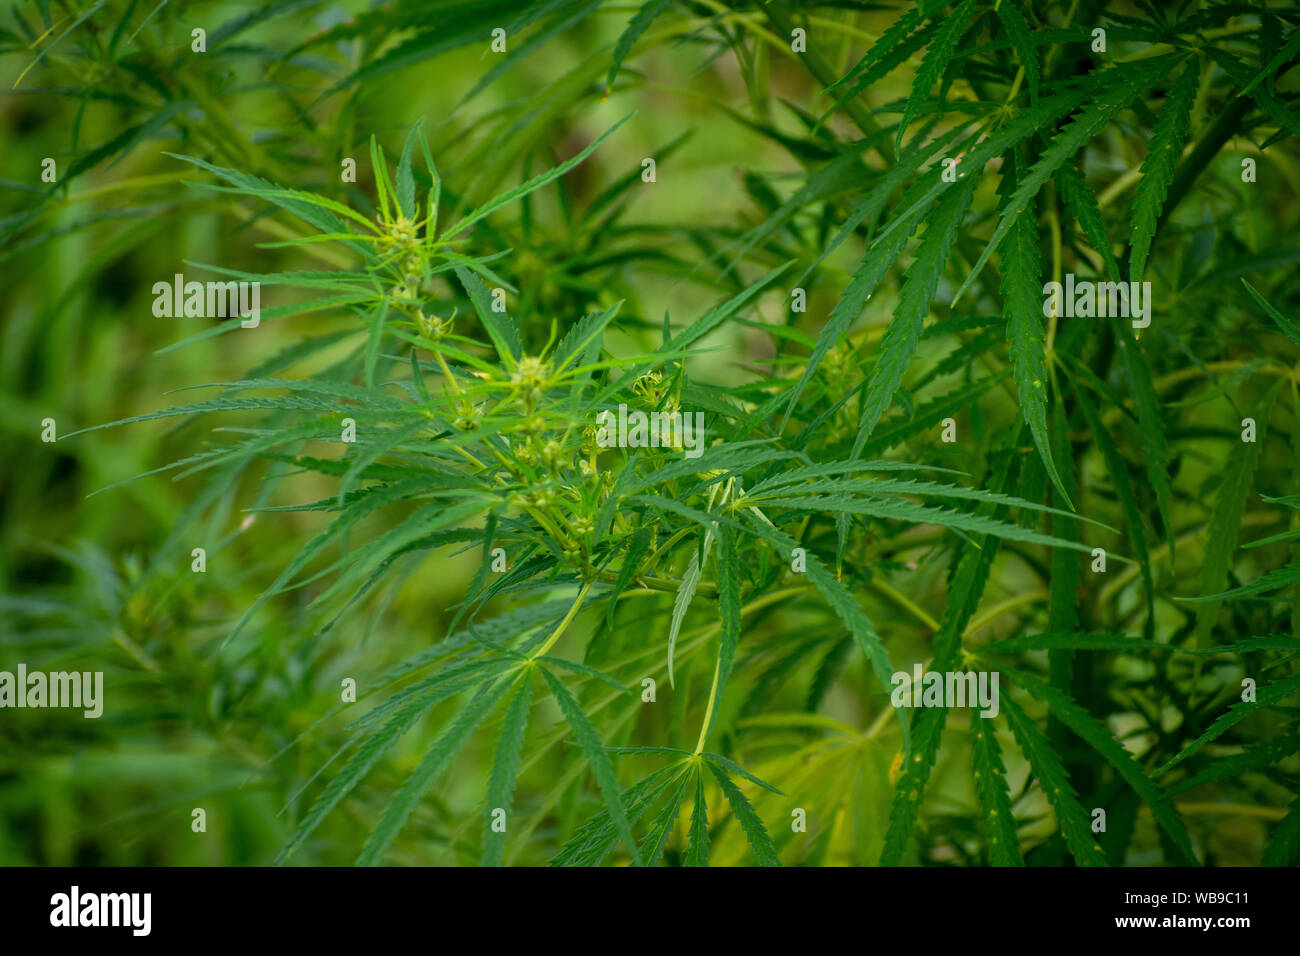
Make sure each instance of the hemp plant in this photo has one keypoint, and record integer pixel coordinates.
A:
(1008, 332)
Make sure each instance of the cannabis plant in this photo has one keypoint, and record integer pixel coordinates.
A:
(948, 513)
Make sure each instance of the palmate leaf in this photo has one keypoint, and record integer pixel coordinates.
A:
(273, 403)
(435, 760)
(1082, 205)
(1158, 169)
(324, 213)
(1268, 694)
(965, 590)
(1111, 99)
(880, 50)
(458, 675)
(902, 510)
(501, 781)
(594, 839)
(759, 840)
(597, 758)
(372, 748)
(366, 504)
(1052, 780)
(991, 788)
(1013, 21)
(1250, 759)
(697, 842)
(503, 332)
(900, 339)
(697, 330)
(1021, 266)
(936, 60)
(1225, 520)
(1100, 739)
(1151, 426)
(873, 267)
(431, 517)
(895, 46)
(841, 601)
(661, 828)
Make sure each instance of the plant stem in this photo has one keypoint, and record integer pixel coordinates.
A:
(564, 624)
(708, 708)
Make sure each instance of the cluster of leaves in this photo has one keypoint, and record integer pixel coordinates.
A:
(475, 430)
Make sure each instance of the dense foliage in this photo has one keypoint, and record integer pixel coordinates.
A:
(826, 228)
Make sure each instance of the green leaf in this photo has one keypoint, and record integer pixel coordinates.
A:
(937, 58)
(631, 33)
(1283, 323)
(435, 760)
(1225, 521)
(405, 178)
(1081, 203)
(1111, 99)
(1070, 815)
(900, 339)
(729, 611)
(636, 549)
(898, 47)
(594, 839)
(356, 768)
(755, 832)
(1268, 694)
(881, 49)
(503, 332)
(991, 788)
(697, 843)
(501, 782)
(1151, 426)
(661, 828)
(1277, 578)
(1251, 759)
(965, 590)
(1284, 847)
(1158, 169)
(1100, 739)
(533, 184)
(1287, 51)
(903, 510)
(1022, 299)
(682, 601)
(598, 759)
(1013, 21)
(841, 601)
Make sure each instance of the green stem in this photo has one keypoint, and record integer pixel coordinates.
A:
(563, 625)
(708, 708)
